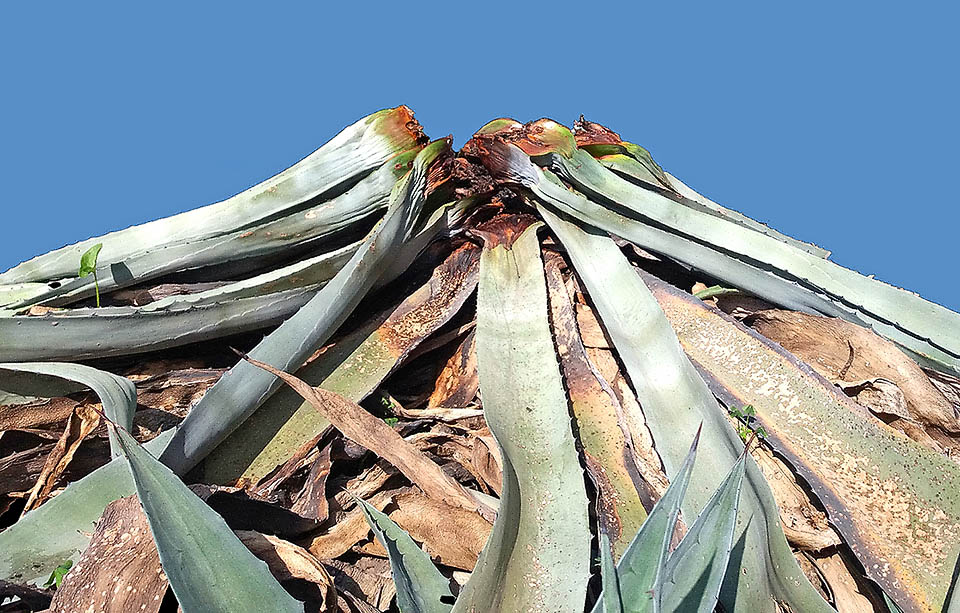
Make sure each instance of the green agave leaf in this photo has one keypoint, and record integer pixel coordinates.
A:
(537, 555)
(245, 387)
(353, 367)
(606, 440)
(82, 334)
(676, 402)
(691, 578)
(641, 566)
(889, 497)
(420, 586)
(88, 261)
(610, 601)
(118, 395)
(356, 150)
(249, 247)
(59, 529)
(920, 325)
(209, 569)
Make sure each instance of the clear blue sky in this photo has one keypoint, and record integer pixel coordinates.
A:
(835, 122)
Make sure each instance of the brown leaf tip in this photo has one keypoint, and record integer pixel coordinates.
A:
(589, 133)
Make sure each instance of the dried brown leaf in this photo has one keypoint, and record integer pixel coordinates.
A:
(82, 421)
(363, 428)
(120, 570)
(842, 351)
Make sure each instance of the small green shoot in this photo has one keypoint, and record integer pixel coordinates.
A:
(715, 291)
(391, 421)
(88, 265)
(56, 577)
(745, 417)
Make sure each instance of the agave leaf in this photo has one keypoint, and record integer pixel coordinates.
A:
(82, 334)
(926, 328)
(628, 168)
(245, 387)
(641, 565)
(675, 402)
(117, 394)
(610, 600)
(235, 252)
(738, 256)
(691, 578)
(59, 529)
(420, 586)
(353, 367)
(357, 149)
(601, 428)
(537, 556)
(889, 497)
(208, 567)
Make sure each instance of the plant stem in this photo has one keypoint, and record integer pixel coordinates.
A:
(96, 285)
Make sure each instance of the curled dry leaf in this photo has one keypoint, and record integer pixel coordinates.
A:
(601, 423)
(82, 421)
(842, 351)
(452, 536)
(804, 524)
(362, 427)
(288, 561)
(457, 385)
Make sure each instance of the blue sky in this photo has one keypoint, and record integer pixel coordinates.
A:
(833, 122)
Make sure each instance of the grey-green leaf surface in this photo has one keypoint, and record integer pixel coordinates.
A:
(88, 261)
(245, 387)
(81, 334)
(420, 586)
(676, 402)
(209, 569)
(641, 564)
(630, 169)
(250, 247)
(60, 528)
(537, 556)
(610, 599)
(694, 572)
(925, 327)
(353, 367)
(357, 149)
(118, 395)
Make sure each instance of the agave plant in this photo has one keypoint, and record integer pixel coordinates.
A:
(362, 258)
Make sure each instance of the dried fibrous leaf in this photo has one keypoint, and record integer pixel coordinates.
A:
(288, 561)
(847, 595)
(36, 413)
(903, 530)
(120, 570)
(601, 424)
(80, 424)
(350, 529)
(312, 501)
(488, 461)
(452, 536)
(457, 385)
(353, 367)
(362, 427)
(842, 351)
(365, 583)
(804, 525)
